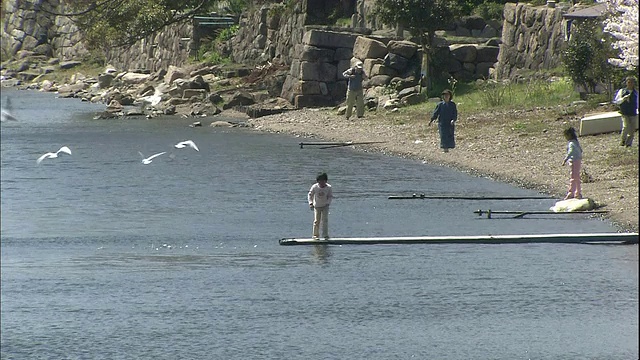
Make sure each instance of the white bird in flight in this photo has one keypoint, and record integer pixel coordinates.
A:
(188, 143)
(6, 115)
(147, 161)
(53, 155)
(5, 112)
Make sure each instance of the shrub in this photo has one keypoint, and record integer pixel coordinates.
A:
(227, 33)
(489, 10)
(585, 59)
(494, 93)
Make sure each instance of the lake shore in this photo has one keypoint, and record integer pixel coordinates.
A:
(508, 146)
(487, 146)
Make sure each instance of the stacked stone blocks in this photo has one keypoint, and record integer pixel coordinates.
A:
(315, 77)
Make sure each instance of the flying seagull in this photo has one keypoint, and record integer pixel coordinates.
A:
(148, 160)
(188, 143)
(53, 155)
(6, 111)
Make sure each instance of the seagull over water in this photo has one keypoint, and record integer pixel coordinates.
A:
(147, 161)
(186, 143)
(53, 155)
(6, 111)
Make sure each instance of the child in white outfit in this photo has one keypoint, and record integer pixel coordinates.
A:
(319, 198)
(574, 158)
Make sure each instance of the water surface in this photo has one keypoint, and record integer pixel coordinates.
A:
(103, 257)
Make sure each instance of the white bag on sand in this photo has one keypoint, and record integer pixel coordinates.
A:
(571, 205)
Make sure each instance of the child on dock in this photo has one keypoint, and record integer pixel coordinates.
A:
(319, 198)
(574, 158)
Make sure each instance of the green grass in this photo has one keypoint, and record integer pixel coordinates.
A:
(487, 95)
(454, 39)
(343, 22)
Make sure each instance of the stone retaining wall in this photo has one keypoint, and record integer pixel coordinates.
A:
(315, 77)
(532, 39)
(468, 61)
(168, 47)
(269, 34)
(26, 31)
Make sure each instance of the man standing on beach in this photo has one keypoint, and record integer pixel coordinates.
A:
(627, 99)
(355, 93)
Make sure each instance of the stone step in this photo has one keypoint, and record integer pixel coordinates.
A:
(601, 123)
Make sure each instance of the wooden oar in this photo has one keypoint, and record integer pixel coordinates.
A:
(462, 197)
(327, 145)
(520, 214)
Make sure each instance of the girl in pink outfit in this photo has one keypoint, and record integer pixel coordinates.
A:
(319, 198)
(574, 158)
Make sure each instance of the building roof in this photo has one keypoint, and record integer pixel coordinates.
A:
(592, 12)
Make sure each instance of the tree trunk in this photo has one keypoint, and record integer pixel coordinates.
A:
(425, 81)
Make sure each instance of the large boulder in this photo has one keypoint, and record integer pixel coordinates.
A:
(381, 69)
(317, 71)
(329, 39)
(378, 80)
(313, 53)
(403, 48)
(199, 94)
(174, 73)
(472, 22)
(134, 78)
(365, 48)
(104, 80)
(396, 61)
(65, 65)
(464, 52)
(239, 98)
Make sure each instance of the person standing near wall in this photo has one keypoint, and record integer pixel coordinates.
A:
(355, 93)
(627, 99)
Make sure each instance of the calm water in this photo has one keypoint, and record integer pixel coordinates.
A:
(106, 258)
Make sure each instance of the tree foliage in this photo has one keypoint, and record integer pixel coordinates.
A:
(469, 7)
(117, 23)
(421, 18)
(123, 22)
(622, 24)
(585, 58)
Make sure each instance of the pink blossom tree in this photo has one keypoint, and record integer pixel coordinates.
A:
(622, 24)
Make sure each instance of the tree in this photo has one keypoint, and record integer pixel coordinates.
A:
(585, 58)
(118, 23)
(622, 24)
(421, 18)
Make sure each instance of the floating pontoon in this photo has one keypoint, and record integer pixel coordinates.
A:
(626, 238)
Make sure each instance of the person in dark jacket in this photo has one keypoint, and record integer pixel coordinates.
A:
(627, 99)
(447, 114)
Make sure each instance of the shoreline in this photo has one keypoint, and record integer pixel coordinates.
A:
(530, 162)
(538, 169)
